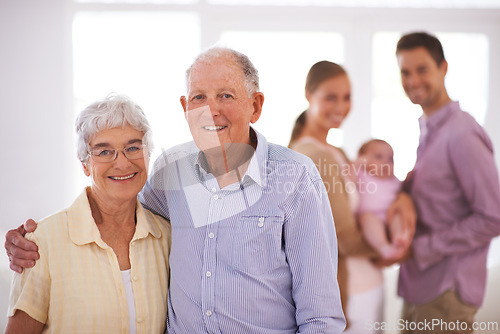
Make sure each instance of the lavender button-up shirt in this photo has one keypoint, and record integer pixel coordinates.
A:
(456, 191)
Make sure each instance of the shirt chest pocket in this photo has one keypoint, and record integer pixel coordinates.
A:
(257, 244)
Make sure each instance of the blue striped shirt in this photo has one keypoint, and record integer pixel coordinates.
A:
(258, 256)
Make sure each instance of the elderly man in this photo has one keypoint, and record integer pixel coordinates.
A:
(253, 240)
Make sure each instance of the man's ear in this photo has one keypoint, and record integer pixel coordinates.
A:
(258, 101)
(444, 66)
(184, 104)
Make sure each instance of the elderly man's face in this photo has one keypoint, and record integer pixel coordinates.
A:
(217, 107)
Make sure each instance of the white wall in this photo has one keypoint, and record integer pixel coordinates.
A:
(36, 115)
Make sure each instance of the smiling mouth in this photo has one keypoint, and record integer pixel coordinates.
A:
(417, 91)
(214, 128)
(336, 118)
(119, 178)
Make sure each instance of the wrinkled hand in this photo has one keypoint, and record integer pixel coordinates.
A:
(22, 253)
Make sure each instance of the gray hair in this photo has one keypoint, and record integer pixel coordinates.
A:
(250, 72)
(113, 111)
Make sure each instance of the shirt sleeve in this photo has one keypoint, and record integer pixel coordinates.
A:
(153, 196)
(473, 163)
(30, 291)
(311, 250)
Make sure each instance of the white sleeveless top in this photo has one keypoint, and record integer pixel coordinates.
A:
(127, 282)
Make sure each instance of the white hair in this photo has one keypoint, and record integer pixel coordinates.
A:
(113, 111)
(249, 71)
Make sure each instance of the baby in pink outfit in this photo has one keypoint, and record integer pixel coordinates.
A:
(378, 188)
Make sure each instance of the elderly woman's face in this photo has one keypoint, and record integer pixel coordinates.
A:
(330, 103)
(122, 178)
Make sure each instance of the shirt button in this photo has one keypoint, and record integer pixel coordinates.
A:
(135, 278)
(261, 219)
(216, 197)
(214, 190)
(211, 235)
(139, 320)
(208, 313)
(208, 274)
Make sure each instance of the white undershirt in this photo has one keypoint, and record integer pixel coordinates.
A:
(127, 282)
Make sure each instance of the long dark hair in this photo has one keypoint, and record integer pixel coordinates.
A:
(318, 73)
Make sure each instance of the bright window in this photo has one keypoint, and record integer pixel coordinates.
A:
(394, 117)
(142, 55)
(283, 73)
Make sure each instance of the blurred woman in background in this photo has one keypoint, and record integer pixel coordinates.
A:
(328, 92)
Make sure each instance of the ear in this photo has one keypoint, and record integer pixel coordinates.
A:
(86, 169)
(184, 104)
(444, 67)
(146, 161)
(308, 96)
(258, 101)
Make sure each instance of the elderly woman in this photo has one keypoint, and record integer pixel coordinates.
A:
(103, 264)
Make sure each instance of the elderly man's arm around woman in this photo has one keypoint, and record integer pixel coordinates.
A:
(103, 264)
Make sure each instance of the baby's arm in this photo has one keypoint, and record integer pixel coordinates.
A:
(374, 232)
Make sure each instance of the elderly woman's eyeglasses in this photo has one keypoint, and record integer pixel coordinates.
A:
(106, 154)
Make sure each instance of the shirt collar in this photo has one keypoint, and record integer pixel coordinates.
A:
(436, 119)
(256, 170)
(83, 229)
(258, 164)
